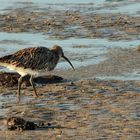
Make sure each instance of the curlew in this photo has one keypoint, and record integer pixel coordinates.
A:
(33, 62)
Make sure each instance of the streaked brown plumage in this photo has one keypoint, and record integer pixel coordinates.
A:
(33, 62)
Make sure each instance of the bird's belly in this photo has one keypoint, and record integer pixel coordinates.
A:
(28, 71)
(22, 71)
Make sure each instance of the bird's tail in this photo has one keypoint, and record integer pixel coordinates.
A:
(5, 59)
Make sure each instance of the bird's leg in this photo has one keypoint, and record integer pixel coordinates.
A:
(32, 83)
(20, 81)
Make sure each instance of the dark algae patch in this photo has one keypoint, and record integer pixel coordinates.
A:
(11, 79)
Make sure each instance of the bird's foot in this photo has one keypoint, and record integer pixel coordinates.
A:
(35, 95)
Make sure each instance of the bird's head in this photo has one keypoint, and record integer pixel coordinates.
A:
(57, 49)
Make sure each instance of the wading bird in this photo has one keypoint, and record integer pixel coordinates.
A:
(33, 62)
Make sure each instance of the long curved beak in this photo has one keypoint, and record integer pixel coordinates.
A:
(68, 61)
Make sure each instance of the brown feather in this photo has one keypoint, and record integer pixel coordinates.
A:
(37, 58)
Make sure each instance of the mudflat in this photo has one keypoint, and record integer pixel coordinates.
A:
(86, 109)
(82, 104)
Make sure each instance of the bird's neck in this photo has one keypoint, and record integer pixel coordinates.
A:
(55, 52)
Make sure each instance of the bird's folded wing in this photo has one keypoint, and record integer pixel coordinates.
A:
(33, 58)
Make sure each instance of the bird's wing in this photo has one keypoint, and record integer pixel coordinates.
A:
(33, 58)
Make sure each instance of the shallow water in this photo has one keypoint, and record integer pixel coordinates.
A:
(7, 5)
(131, 9)
(100, 6)
(92, 53)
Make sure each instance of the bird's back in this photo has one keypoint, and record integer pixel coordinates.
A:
(36, 58)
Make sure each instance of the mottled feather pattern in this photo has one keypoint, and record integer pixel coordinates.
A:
(38, 58)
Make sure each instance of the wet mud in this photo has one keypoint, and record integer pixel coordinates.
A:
(67, 24)
(85, 109)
